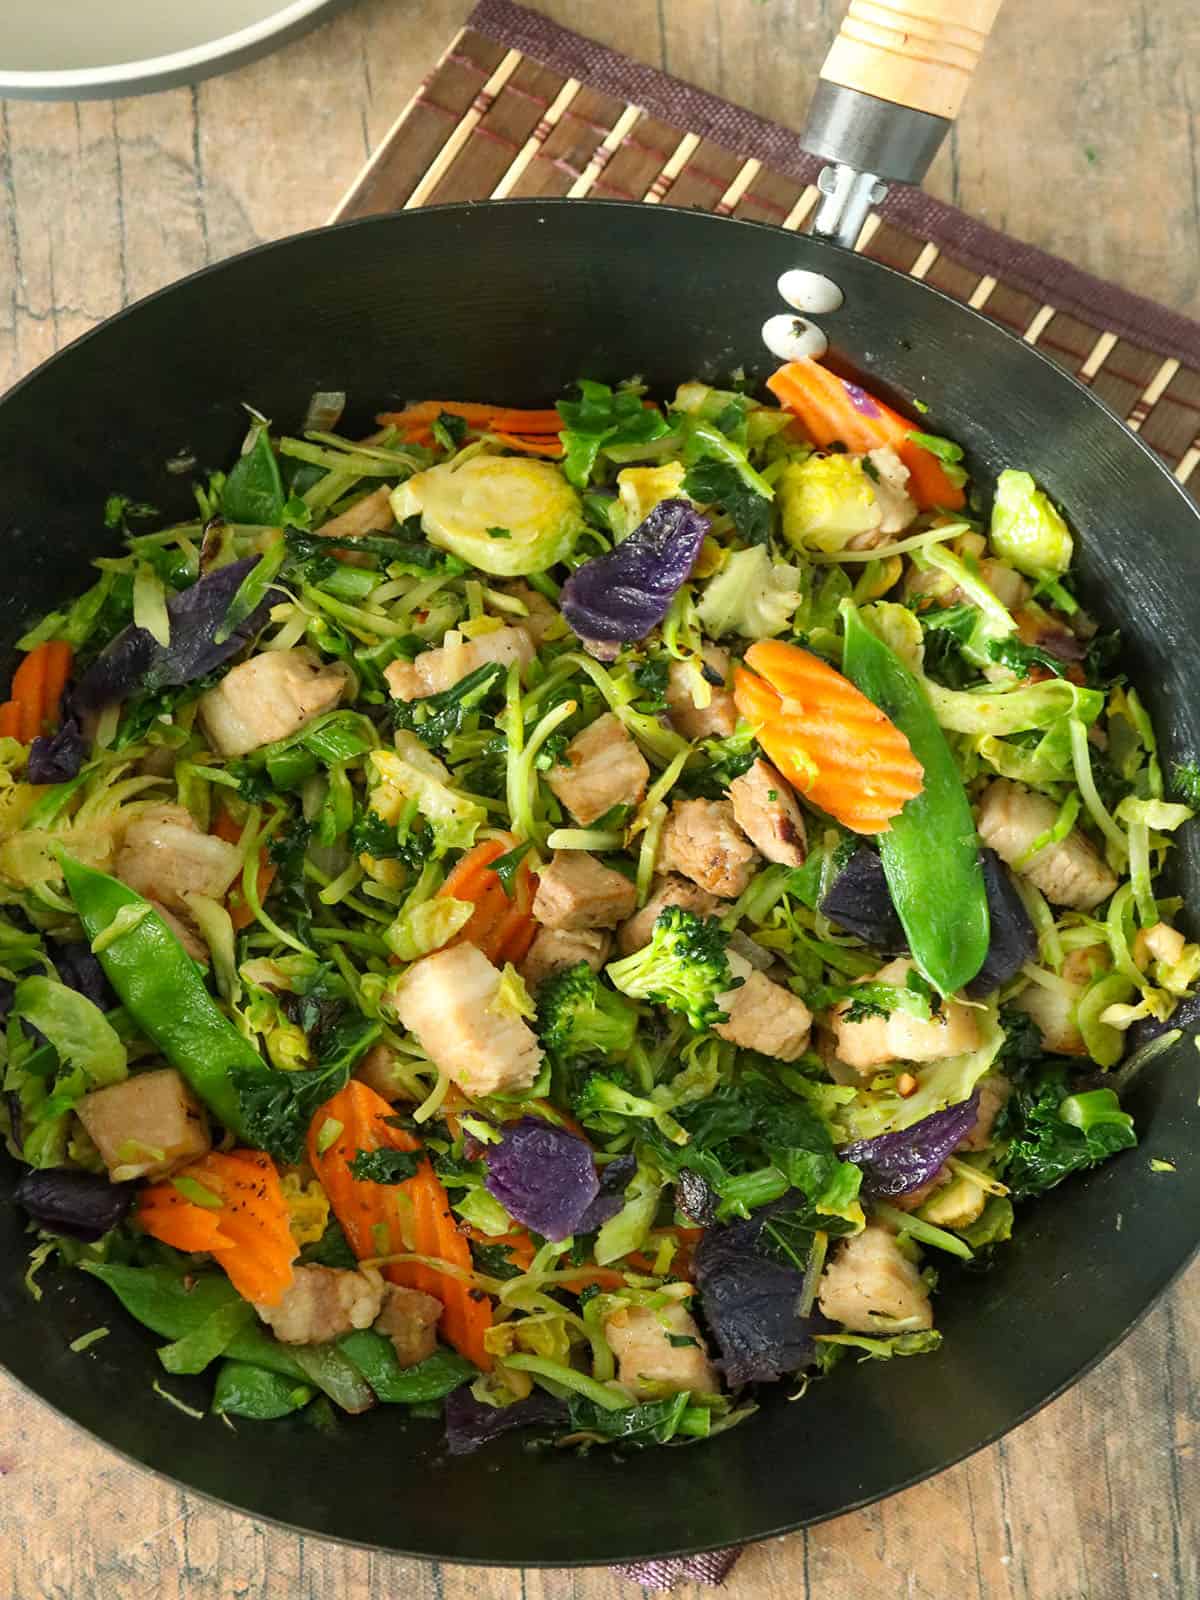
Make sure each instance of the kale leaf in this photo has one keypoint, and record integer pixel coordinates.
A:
(385, 1166)
(711, 482)
(1054, 1134)
(437, 717)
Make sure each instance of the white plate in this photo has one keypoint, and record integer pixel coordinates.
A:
(67, 49)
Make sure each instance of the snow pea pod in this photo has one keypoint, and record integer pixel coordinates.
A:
(431, 1379)
(931, 853)
(245, 1391)
(160, 987)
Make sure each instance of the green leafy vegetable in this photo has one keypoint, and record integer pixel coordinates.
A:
(385, 1166)
(711, 482)
(1054, 1134)
(253, 491)
(601, 417)
(438, 717)
(1026, 530)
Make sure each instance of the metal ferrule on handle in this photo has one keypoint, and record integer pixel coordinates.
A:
(891, 85)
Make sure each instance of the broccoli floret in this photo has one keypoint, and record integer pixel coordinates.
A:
(601, 1097)
(684, 967)
(578, 1017)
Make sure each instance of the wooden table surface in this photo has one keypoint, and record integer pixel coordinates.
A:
(1080, 136)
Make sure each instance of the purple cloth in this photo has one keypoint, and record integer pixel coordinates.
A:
(713, 1567)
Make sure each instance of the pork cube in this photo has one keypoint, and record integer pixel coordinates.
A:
(371, 514)
(764, 1016)
(409, 1319)
(436, 670)
(576, 891)
(870, 1286)
(1055, 1010)
(672, 891)
(601, 768)
(323, 1303)
(889, 478)
(900, 1036)
(718, 718)
(146, 1126)
(165, 857)
(994, 1091)
(183, 931)
(641, 1340)
(377, 1070)
(452, 1002)
(1070, 873)
(703, 841)
(554, 950)
(543, 620)
(766, 811)
(269, 697)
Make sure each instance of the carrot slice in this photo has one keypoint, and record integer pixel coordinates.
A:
(59, 656)
(501, 927)
(29, 691)
(391, 1219)
(484, 418)
(826, 737)
(165, 1214)
(548, 446)
(240, 913)
(248, 1234)
(832, 410)
(10, 720)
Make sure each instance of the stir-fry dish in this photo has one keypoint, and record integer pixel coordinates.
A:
(563, 919)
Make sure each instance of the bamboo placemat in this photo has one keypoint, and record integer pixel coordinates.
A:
(520, 107)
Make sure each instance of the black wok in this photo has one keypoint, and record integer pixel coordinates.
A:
(513, 302)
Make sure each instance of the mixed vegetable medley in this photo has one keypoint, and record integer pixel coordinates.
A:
(559, 918)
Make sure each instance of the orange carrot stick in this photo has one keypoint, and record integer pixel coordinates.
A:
(58, 668)
(501, 927)
(827, 737)
(10, 720)
(240, 913)
(164, 1213)
(549, 446)
(391, 1219)
(484, 418)
(832, 410)
(248, 1233)
(29, 691)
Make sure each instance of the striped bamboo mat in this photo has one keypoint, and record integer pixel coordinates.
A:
(520, 107)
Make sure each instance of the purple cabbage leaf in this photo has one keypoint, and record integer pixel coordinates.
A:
(135, 663)
(470, 1423)
(615, 1178)
(859, 901)
(545, 1177)
(57, 759)
(79, 1204)
(1012, 940)
(80, 970)
(620, 596)
(751, 1300)
(896, 1163)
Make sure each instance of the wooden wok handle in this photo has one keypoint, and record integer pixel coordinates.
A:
(914, 53)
